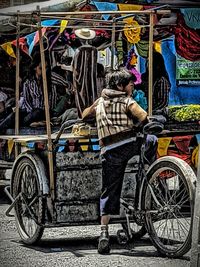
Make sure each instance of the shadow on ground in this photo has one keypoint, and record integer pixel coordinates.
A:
(80, 247)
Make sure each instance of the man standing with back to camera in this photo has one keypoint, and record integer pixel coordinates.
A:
(118, 116)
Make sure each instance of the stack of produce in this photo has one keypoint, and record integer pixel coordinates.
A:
(184, 112)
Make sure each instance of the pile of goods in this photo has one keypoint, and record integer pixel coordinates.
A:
(184, 113)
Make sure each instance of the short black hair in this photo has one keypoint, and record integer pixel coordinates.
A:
(120, 77)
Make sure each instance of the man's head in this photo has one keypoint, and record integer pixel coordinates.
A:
(121, 80)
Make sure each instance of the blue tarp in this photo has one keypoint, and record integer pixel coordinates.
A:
(179, 95)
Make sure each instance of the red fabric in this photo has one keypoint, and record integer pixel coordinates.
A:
(187, 40)
(22, 44)
(185, 157)
(182, 143)
(182, 151)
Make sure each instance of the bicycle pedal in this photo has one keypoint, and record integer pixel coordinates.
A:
(122, 237)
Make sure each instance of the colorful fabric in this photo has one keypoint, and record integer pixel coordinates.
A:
(137, 75)
(63, 25)
(195, 157)
(187, 40)
(33, 39)
(132, 32)
(8, 48)
(104, 6)
(129, 7)
(142, 48)
(157, 47)
(139, 97)
(22, 44)
(182, 143)
(163, 144)
(185, 157)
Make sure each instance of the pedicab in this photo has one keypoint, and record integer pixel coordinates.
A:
(57, 182)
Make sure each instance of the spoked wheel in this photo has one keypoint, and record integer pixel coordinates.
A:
(169, 212)
(29, 209)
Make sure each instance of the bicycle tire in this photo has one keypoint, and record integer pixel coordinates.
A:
(26, 181)
(172, 181)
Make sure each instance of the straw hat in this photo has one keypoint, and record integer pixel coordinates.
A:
(85, 33)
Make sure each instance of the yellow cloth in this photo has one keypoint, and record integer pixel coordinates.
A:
(163, 144)
(10, 146)
(8, 48)
(133, 60)
(157, 47)
(132, 32)
(84, 147)
(63, 25)
(195, 155)
(127, 7)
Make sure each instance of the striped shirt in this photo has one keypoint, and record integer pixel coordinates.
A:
(33, 97)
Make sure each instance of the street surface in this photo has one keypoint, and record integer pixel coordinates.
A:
(74, 247)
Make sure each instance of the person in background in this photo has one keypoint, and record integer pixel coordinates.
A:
(161, 83)
(85, 70)
(32, 102)
(33, 95)
(118, 117)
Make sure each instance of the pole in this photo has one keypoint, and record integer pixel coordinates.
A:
(47, 113)
(150, 80)
(17, 84)
(113, 44)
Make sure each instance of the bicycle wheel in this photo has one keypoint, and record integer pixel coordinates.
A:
(169, 219)
(29, 209)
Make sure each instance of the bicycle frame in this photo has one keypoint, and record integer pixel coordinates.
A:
(141, 180)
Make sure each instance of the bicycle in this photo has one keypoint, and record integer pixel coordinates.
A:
(165, 195)
(165, 203)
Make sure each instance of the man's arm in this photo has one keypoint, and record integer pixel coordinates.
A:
(90, 112)
(139, 114)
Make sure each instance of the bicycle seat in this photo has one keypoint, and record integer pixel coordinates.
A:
(153, 127)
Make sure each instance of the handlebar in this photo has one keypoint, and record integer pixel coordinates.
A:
(66, 125)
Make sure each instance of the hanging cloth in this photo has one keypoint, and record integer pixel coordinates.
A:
(163, 144)
(85, 77)
(182, 143)
(187, 40)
